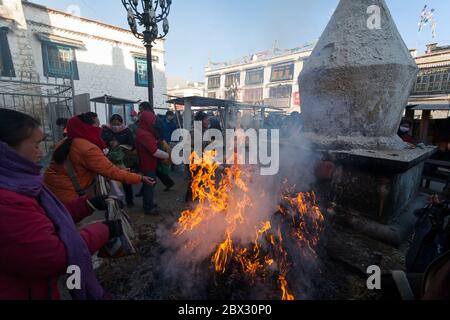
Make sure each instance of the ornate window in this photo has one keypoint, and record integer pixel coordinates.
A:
(281, 92)
(253, 95)
(254, 76)
(232, 78)
(59, 61)
(432, 81)
(214, 82)
(282, 72)
(141, 77)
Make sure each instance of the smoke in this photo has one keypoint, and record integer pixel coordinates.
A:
(252, 200)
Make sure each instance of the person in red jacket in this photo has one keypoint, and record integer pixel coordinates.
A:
(148, 155)
(38, 236)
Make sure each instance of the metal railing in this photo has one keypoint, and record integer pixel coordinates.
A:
(46, 99)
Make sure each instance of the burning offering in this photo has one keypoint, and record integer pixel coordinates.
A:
(232, 224)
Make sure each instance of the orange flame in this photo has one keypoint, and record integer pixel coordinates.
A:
(285, 293)
(230, 200)
(223, 256)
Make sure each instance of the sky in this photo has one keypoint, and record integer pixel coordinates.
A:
(224, 30)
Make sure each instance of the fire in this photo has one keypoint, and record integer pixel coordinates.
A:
(286, 295)
(223, 255)
(230, 200)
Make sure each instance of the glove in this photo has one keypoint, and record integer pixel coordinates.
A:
(115, 228)
(98, 203)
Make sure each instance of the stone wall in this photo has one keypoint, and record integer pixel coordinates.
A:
(12, 16)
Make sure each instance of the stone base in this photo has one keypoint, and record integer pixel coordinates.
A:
(377, 191)
(356, 141)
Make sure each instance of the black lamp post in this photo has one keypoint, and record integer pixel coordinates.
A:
(148, 14)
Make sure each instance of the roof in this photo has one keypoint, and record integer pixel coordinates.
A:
(47, 37)
(211, 102)
(260, 57)
(113, 100)
(41, 7)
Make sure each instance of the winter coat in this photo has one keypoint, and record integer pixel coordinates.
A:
(31, 252)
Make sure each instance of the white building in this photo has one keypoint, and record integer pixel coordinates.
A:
(180, 88)
(432, 87)
(102, 59)
(269, 78)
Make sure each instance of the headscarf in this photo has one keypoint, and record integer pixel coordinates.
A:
(78, 129)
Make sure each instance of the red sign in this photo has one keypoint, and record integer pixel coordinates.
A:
(297, 100)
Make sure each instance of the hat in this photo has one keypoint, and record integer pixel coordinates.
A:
(200, 116)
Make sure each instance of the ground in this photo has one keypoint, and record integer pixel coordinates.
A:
(345, 256)
(118, 275)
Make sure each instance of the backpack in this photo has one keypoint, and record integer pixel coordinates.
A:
(431, 238)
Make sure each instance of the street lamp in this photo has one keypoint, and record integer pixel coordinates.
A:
(148, 14)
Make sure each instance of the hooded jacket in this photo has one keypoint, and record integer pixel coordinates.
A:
(147, 142)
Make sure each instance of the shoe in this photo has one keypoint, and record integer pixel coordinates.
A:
(167, 189)
(130, 205)
(139, 195)
(153, 211)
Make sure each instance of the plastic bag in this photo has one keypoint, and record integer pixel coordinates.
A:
(122, 246)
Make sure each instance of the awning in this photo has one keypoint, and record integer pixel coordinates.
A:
(47, 37)
(113, 100)
(196, 101)
(431, 107)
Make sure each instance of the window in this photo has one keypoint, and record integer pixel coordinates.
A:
(254, 76)
(253, 95)
(214, 82)
(59, 61)
(432, 81)
(141, 79)
(232, 78)
(284, 71)
(230, 95)
(281, 92)
(212, 95)
(141, 70)
(6, 63)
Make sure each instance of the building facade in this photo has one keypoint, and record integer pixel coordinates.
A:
(269, 78)
(433, 82)
(40, 43)
(179, 88)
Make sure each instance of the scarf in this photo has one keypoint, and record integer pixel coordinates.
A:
(24, 177)
(78, 129)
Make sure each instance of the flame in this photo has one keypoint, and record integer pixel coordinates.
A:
(223, 256)
(230, 199)
(286, 295)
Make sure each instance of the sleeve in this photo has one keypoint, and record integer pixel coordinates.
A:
(130, 139)
(96, 236)
(150, 145)
(107, 136)
(96, 161)
(79, 209)
(29, 244)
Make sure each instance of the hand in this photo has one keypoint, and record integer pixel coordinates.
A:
(435, 201)
(115, 228)
(114, 144)
(148, 180)
(98, 203)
